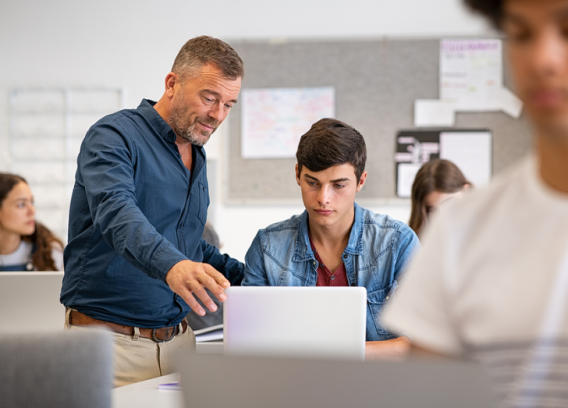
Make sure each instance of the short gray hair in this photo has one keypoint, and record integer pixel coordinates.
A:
(208, 50)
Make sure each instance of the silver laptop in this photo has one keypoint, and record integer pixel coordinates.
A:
(314, 322)
(255, 382)
(29, 301)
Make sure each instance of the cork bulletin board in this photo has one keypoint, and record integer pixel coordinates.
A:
(376, 83)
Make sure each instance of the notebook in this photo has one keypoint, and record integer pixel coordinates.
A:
(29, 301)
(314, 322)
(260, 382)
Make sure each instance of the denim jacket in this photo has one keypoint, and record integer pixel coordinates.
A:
(377, 253)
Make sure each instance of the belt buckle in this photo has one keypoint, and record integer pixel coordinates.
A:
(155, 339)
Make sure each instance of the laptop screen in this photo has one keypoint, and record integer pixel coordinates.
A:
(314, 322)
(29, 301)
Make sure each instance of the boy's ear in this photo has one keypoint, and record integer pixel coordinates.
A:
(362, 180)
(297, 175)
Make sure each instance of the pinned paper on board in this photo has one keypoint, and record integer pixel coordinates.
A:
(471, 80)
(470, 150)
(274, 119)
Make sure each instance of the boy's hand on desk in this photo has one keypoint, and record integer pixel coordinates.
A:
(395, 349)
(189, 279)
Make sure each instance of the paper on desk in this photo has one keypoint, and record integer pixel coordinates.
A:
(209, 333)
(211, 336)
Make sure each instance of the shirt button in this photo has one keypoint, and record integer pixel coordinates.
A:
(387, 298)
(315, 263)
(345, 256)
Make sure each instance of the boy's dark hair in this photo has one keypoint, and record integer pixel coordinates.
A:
(492, 9)
(330, 142)
(204, 50)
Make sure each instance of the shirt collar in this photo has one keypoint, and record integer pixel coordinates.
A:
(303, 250)
(146, 109)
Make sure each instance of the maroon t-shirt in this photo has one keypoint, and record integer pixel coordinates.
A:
(325, 276)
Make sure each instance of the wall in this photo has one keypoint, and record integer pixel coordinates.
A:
(130, 44)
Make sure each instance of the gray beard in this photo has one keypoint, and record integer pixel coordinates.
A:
(189, 135)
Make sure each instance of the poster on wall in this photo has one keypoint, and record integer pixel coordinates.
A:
(471, 80)
(274, 119)
(470, 150)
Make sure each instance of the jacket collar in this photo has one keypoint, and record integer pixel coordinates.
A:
(303, 250)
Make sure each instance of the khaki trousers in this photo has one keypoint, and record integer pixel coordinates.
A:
(138, 359)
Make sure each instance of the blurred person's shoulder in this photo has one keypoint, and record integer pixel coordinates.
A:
(508, 188)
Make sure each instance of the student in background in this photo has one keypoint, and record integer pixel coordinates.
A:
(25, 244)
(334, 242)
(436, 182)
(195, 321)
(491, 280)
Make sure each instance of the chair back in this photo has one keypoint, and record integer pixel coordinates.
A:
(71, 369)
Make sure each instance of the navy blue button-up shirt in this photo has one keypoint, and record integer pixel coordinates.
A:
(136, 211)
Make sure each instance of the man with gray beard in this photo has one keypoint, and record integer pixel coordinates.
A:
(135, 261)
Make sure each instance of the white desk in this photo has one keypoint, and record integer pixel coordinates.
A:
(146, 393)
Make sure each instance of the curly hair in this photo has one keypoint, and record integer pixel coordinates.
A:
(492, 9)
(42, 238)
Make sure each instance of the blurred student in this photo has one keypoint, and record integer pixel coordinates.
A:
(334, 242)
(195, 321)
(437, 182)
(25, 244)
(491, 280)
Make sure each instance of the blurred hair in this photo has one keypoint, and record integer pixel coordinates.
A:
(492, 9)
(330, 142)
(208, 50)
(42, 238)
(436, 175)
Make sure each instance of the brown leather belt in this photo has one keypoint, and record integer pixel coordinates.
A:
(158, 335)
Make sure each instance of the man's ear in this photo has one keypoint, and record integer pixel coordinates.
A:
(171, 80)
(297, 175)
(362, 181)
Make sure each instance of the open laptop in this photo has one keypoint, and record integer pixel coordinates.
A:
(314, 322)
(29, 301)
(255, 382)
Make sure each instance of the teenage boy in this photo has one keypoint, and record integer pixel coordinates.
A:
(491, 281)
(335, 242)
